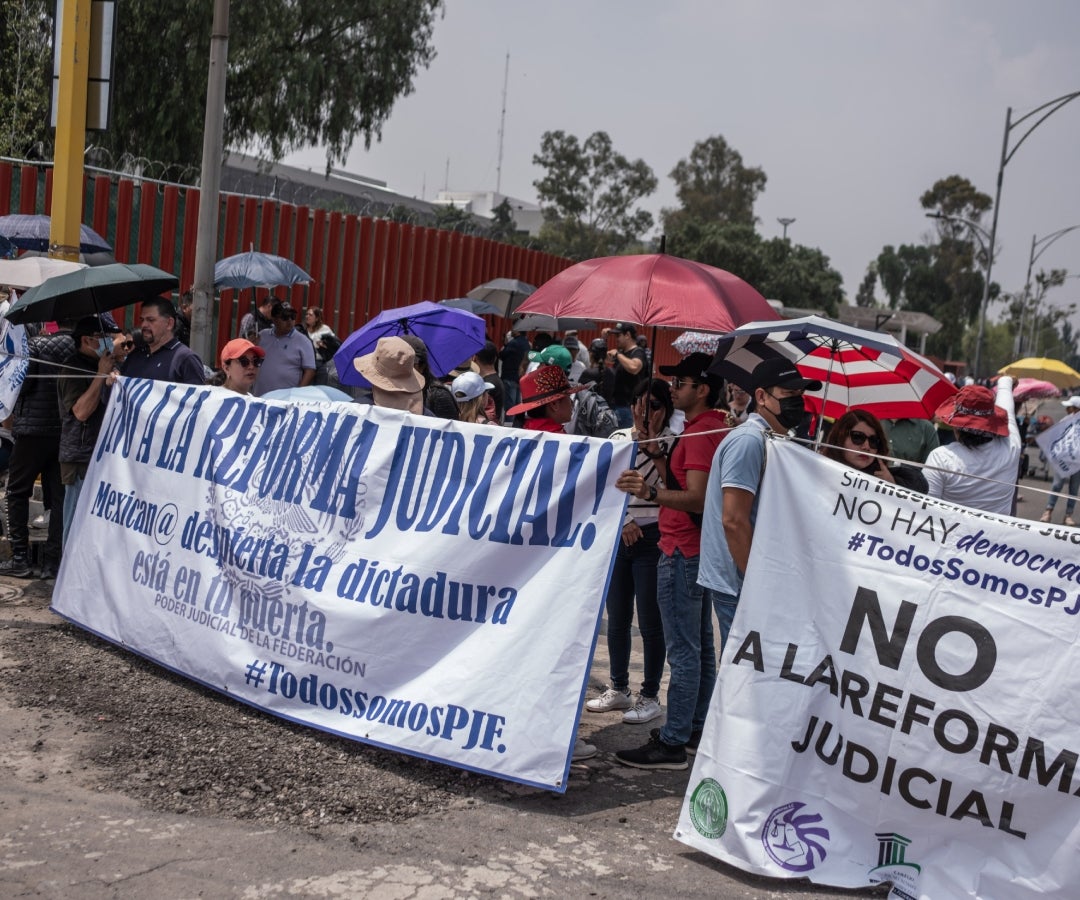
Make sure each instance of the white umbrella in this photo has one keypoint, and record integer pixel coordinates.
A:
(29, 272)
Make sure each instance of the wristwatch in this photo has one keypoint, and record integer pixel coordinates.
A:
(652, 493)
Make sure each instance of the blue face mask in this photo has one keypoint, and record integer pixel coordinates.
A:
(104, 345)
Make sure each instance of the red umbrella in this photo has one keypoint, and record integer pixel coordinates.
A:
(652, 289)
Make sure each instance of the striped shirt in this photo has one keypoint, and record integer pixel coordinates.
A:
(644, 512)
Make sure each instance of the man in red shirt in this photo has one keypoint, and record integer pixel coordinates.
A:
(687, 618)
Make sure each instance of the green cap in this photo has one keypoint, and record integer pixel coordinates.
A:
(555, 355)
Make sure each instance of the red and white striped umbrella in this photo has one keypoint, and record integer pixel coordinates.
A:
(858, 369)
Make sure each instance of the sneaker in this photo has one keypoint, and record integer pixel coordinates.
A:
(645, 709)
(49, 571)
(1045, 517)
(1069, 523)
(582, 751)
(609, 700)
(16, 567)
(41, 521)
(654, 755)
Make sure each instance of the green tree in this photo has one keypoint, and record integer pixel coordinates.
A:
(781, 270)
(299, 74)
(589, 194)
(865, 295)
(713, 185)
(25, 70)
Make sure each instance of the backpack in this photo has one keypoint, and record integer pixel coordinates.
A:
(594, 417)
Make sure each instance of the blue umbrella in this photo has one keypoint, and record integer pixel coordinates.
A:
(254, 269)
(309, 392)
(32, 233)
(476, 307)
(451, 335)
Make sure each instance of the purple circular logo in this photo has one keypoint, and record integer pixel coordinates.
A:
(794, 842)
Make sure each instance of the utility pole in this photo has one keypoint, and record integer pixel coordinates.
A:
(66, 210)
(502, 126)
(202, 339)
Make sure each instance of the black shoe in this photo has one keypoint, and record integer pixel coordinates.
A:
(692, 744)
(654, 755)
(16, 567)
(49, 572)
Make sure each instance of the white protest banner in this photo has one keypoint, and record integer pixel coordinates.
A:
(14, 361)
(422, 585)
(1060, 444)
(896, 701)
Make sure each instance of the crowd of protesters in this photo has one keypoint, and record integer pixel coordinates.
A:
(689, 523)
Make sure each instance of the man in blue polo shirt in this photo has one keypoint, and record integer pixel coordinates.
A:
(290, 355)
(162, 357)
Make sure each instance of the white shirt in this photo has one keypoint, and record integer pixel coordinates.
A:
(998, 460)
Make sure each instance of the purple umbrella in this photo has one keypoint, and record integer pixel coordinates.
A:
(451, 335)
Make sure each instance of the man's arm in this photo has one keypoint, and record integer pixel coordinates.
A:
(90, 399)
(306, 377)
(735, 515)
(691, 500)
(633, 364)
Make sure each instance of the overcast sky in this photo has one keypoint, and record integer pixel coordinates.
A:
(852, 107)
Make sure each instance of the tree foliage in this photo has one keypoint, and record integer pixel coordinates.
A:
(796, 275)
(713, 185)
(25, 73)
(299, 74)
(589, 194)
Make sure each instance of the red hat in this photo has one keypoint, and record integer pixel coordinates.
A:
(972, 408)
(542, 386)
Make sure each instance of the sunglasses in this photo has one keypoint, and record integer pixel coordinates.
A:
(249, 361)
(677, 383)
(123, 345)
(655, 405)
(858, 438)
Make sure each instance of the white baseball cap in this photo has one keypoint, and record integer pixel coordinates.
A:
(1071, 403)
(468, 386)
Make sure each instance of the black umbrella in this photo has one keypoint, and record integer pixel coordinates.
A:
(90, 291)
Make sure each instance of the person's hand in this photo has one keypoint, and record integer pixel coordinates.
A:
(656, 420)
(611, 354)
(632, 482)
(641, 424)
(631, 534)
(105, 364)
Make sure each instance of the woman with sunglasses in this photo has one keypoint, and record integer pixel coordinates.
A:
(857, 439)
(240, 360)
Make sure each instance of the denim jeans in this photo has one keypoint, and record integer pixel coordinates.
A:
(1074, 488)
(624, 415)
(724, 604)
(71, 500)
(691, 652)
(634, 576)
(511, 393)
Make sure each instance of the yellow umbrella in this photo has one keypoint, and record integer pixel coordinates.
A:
(1052, 370)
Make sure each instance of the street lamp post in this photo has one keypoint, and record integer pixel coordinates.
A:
(1041, 245)
(785, 221)
(1043, 112)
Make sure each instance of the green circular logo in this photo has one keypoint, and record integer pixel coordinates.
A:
(708, 808)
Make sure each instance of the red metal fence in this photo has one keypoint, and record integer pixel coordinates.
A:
(360, 265)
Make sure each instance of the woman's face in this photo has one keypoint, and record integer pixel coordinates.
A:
(860, 443)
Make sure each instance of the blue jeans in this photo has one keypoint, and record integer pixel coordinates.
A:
(634, 576)
(724, 605)
(1070, 500)
(690, 648)
(71, 500)
(624, 416)
(511, 393)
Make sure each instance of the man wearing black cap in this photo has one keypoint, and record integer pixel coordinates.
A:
(687, 619)
(290, 355)
(734, 479)
(82, 407)
(630, 363)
